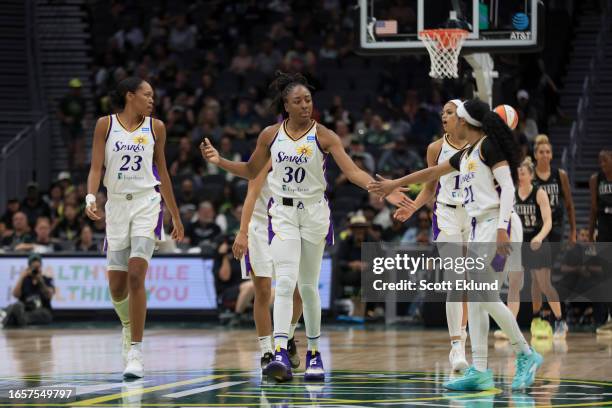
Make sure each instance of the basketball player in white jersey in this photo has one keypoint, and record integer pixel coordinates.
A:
(450, 224)
(129, 146)
(251, 247)
(488, 170)
(298, 211)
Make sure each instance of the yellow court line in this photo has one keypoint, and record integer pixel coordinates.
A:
(93, 401)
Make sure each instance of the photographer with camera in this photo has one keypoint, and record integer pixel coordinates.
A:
(34, 293)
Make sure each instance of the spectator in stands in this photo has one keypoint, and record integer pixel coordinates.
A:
(349, 264)
(21, 232)
(243, 124)
(383, 213)
(180, 86)
(182, 35)
(242, 61)
(378, 136)
(336, 112)
(268, 59)
(362, 126)
(233, 219)
(187, 163)
(344, 132)
(86, 242)
(206, 89)
(329, 50)
(209, 127)
(180, 121)
(43, 243)
(12, 207)
(233, 293)
(400, 159)
(55, 201)
(424, 127)
(129, 38)
(187, 194)
(69, 226)
(65, 181)
(396, 232)
(33, 205)
(299, 58)
(523, 105)
(72, 108)
(227, 152)
(34, 292)
(356, 148)
(204, 231)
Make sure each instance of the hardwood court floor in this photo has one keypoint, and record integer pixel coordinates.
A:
(186, 367)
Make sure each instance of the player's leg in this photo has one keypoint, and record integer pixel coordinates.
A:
(476, 377)
(141, 252)
(145, 214)
(294, 357)
(539, 327)
(543, 276)
(308, 283)
(286, 254)
(261, 315)
(118, 286)
(515, 285)
(246, 293)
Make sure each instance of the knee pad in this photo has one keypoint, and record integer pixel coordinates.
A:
(142, 248)
(284, 286)
(118, 260)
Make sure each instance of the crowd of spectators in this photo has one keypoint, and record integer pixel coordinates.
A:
(209, 64)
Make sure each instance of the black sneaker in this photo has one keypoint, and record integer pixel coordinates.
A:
(294, 358)
(265, 360)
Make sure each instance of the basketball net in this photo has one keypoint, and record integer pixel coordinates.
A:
(443, 46)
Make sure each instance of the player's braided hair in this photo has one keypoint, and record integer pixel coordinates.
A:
(129, 84)
(498, 132)
(281, 86)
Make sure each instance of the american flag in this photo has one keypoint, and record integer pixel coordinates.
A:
(385, 27)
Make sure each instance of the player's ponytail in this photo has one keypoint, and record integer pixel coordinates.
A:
(129, 84)
(281, 86)
(481, 116)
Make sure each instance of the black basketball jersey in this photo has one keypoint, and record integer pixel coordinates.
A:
(604, 196)
(552, 186)
(529, 211)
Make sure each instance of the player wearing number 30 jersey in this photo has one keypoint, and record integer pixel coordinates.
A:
(298, 212)
(130, 148)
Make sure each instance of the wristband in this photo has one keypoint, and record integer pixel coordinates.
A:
(90, 199)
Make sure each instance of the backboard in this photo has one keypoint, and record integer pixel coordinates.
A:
(495, 26)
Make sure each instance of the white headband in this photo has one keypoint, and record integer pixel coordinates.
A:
(463, 113)
(456, 102)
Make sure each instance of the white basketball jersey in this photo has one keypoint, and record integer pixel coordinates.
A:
(448, 190)
(478, 186)
(260, 211)
(298, 165)
(128, 158)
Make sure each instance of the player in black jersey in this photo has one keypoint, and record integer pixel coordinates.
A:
(556, 184)
(601, 217)
(532, 205)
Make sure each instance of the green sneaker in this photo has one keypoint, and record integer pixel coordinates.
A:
(526, 367)
(472, 380)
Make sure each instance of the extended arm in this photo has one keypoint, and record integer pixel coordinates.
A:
(569, 204)
(544, 203)
(593, 214)
(95, 170)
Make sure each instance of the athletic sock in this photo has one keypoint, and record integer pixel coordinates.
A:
(137, 345)
(265, 345)
(313, 343)
(456, 344)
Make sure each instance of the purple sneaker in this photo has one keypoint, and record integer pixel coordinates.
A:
(314, 367)
(279, 368)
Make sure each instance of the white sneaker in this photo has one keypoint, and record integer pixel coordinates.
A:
(134, 367)
(126, 341)
(457, 359)
(500, 335)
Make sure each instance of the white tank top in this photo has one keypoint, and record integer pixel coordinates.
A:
(298, 165)
(478, 186)
(128, 158)
(260, 211)
(448, 190)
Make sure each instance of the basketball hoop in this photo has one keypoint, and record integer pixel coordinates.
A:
(443, 46)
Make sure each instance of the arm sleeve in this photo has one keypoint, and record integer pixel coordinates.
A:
(455, 161)
(506, 197)
(490, 153)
